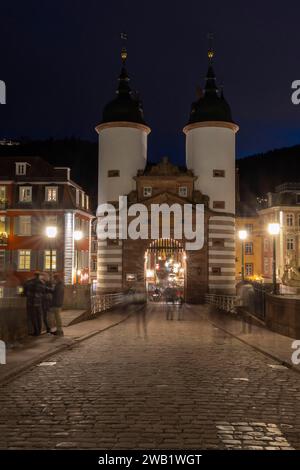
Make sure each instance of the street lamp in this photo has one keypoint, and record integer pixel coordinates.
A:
(242, 236)
(51, 233)
(274, 229)
(78, 235)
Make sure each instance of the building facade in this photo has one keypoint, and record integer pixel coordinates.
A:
(35, 195)
(208, 179)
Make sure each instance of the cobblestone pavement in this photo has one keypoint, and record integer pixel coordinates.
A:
(154, 383)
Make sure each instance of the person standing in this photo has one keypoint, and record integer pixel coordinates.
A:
(47, 301)
(57, 303)
(34, 291)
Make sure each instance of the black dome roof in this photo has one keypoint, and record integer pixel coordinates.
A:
(126, 106)
(211, 106)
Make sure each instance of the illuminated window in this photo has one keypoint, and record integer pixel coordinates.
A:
(266, 244)
(24, 225)
(182, 191)
(51, 221)
(249, 228)
(2, 194)
(147, 191)
(25, 193)
(51, 193)
(47, 260)
(249, 269)
(266, 265)
(290, 220)
(24, 257)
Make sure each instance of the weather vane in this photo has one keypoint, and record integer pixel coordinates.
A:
(124, 37)
(210, 52)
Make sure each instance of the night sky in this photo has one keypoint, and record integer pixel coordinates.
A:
(61, 59)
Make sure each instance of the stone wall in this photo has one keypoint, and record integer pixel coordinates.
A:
(283, 315)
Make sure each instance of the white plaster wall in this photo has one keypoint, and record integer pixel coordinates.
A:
(123, 149)
(208, 149)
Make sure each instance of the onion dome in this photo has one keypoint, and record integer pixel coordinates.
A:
(211, 104)
(126, 106)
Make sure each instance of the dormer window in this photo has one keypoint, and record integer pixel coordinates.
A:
(51, 193)
(25, 193)
(147, 191)
(21, 168)
(183, 191)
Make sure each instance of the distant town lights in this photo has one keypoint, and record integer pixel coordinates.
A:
(274, 229)
(51, 231)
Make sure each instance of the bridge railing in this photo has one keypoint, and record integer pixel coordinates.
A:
(224, 302)
(102, 302)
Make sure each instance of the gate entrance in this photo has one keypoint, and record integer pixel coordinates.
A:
(165, 270)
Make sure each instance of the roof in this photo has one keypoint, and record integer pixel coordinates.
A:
(211, 105)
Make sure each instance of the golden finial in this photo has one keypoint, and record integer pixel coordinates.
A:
(210, 52)
(124, 54)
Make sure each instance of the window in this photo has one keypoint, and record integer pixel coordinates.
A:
(87, 203)
(216, 271)
(2, 224)
(21, 168)
(2, 260)
(147, 191)
(219, 173)
(266, 244)
(51, 193)
(249, 248)
(112, 242)
(113, 173)
(82, 199)
(112, 268)
(2, 195)
(290, 220)
(182, 191)
(25, 193)
(1, 292)
(51, 221)
(249, 228)
(219, 204)
(24, 260)
(249, 269)
(47, 260)
(218, 242)
(77, 197)
(24, 225)
(266, 265)
(94, 264)
(290, 243)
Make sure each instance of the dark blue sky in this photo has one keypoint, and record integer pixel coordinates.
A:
(60, 61)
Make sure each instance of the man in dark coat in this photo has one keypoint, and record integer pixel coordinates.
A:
(57, 303)
(34, 291)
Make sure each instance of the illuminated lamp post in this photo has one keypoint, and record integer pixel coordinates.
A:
(274, 229)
